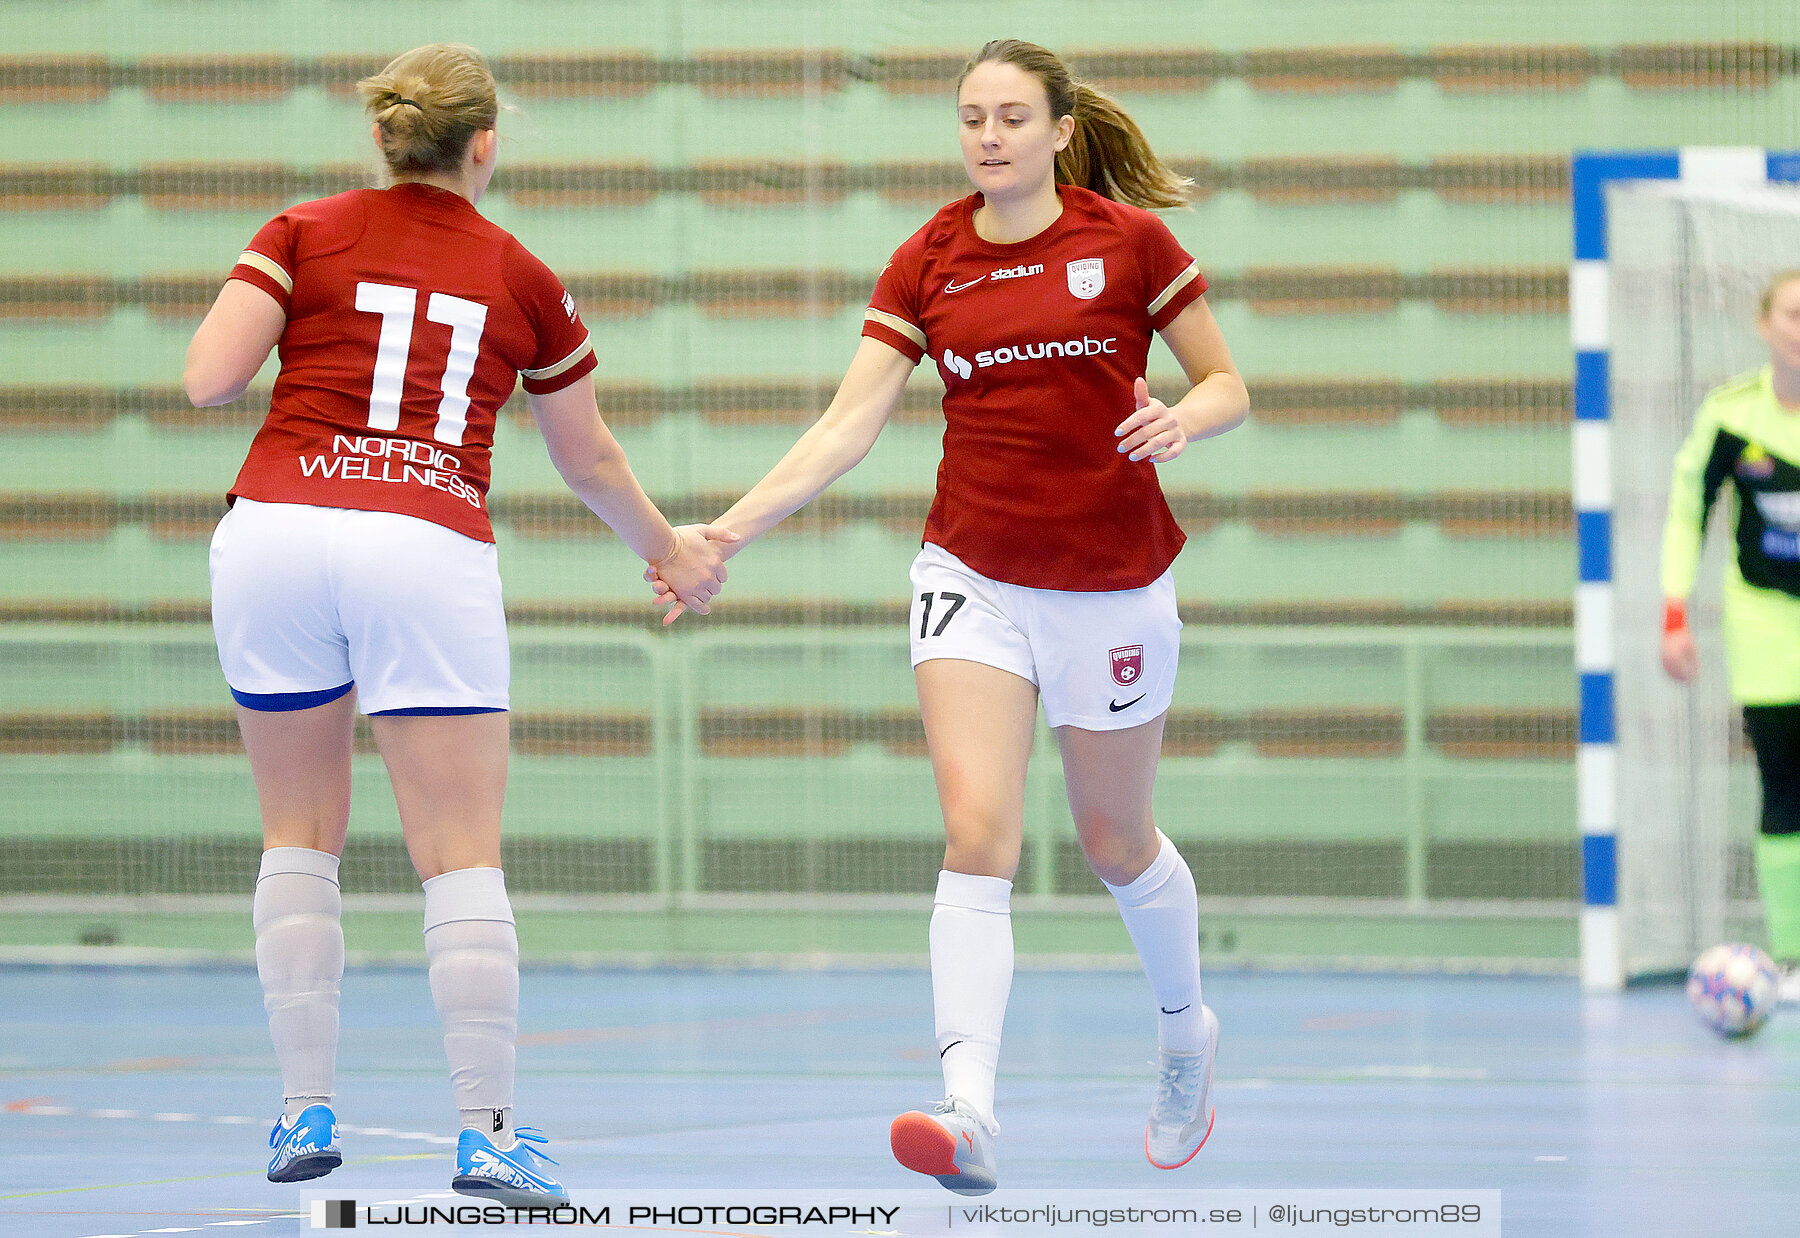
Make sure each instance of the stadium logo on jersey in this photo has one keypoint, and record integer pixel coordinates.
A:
(1087, 277)
(958, 366)
(1127, 664)
(1754, 462)
(1781, 510)
(1018, 272)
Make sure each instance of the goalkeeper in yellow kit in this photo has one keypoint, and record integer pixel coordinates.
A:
(1748, 433)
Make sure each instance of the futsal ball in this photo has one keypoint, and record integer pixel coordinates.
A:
(1733, 989)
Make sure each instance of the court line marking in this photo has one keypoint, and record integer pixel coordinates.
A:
(32, 1110)
(25, 1102)
(149, 1065)
(786, 1018)
(27, 1109)
(194, 1229)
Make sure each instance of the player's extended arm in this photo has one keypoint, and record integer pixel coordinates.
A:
(232, 343)
(1216, 402)
(593, 465)
(831, 447)
(1692, 490)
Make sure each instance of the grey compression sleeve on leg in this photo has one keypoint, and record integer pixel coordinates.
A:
(298, 917)
(473, 952)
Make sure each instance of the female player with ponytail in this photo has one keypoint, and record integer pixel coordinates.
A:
(357, 567)
(1045, 567)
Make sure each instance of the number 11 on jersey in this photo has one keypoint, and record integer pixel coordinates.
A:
(396, 305)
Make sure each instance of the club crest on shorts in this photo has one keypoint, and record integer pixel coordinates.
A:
(1087, 277)
(1127, 665)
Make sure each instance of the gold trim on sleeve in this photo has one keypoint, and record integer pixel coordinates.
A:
(268, 266)
(1181, 281)
(551, 371)
(895, 323)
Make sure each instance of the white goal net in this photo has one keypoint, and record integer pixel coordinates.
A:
(1688, 264)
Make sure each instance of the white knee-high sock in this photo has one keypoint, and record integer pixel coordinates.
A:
(1162, 914)
(971, 978)
(473, 952)
(298, 916)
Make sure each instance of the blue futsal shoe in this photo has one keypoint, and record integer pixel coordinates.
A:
(305, 1148)
(505, 1177)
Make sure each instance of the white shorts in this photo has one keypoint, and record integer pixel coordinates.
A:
(309, 602)
(1101, 661)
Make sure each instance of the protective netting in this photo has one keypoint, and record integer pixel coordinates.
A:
(1688, 266)
(1370, 753)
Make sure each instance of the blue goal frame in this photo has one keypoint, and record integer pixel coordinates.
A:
(1590, 175)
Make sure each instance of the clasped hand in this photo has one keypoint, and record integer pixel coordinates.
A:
(692, 574)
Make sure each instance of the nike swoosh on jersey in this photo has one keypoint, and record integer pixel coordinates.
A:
(1115, 707)
(953, 286)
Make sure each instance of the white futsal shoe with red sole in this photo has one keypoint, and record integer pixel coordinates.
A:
(951, 1144)
(1180, 1118)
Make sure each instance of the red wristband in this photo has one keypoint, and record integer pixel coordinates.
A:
(1674, 616)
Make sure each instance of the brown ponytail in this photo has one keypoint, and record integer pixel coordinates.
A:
(429, 103)
(1108, 153)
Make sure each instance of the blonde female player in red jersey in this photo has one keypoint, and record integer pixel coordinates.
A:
(357, 567)
(1045, 567)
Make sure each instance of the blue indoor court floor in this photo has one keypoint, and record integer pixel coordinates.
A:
(137, 1100)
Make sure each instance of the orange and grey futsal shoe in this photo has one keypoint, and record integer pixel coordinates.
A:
(1180, 1118)
(951, 1144)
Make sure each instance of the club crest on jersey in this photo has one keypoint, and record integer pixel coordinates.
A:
(1755, 463)
(1127, 665)
(1087, 277)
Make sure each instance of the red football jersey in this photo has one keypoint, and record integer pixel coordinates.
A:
(409, 317)
(1038, 344)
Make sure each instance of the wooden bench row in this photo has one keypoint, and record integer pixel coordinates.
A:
(267, 187)
(763, 73)
(1274, 401)
(1277, 733)
(62, 516)
(761, 293)
(826, 615)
